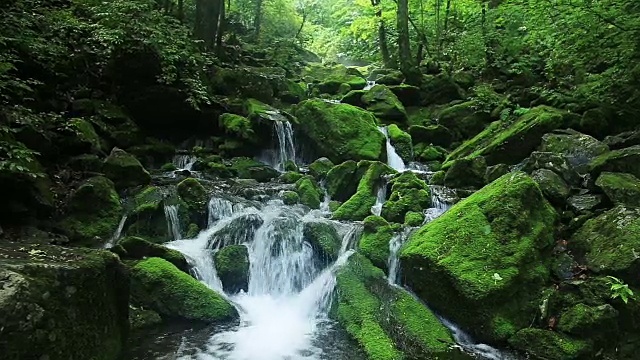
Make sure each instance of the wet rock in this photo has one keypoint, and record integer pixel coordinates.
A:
(584, 203)
(381, 101)
(466, 173)
(194, 197)
(407, 94)
(579, 149)
(125, 170)
(239, 230)
(437, 178)
(138, 248)
(496, 171)
(374, 243)
(620, 188)
(342, 180)
(142, 318)
(413, 218)
(319, 168)
(623, 140)
(408, 193)
(324, 239)
(463, 120)
(310, 192)
(147, 217)
(625, 160)
(232, 266)
(401, 141)
(358, 206)
(431, 134)
(554, 162)
(290, 197)
(552, 186)
(246, 168)
(546, 344)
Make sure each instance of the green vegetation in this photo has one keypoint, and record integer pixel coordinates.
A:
(232, 265)
(359, 205)
(309, 191)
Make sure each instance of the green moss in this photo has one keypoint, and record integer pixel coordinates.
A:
(192, 193)
(309, 191)
(384, 104)
(85, 134)
(374, 242)
(147, 218)
(437, 178)
(238, 126)
(290, 197)
(413, 218)
(625, 160)
(159, 285)
(192, 231)
(247, 168)
(340, 131)
(359, 205)
(621, 189)
(290, 177)
(408, 193)
(324, 238)
(125, 170)
(463, 119)
(232, 266)
(168, 167)
(466, 173)
(319, 168)
(139, 248)
(552, 186)
(341, 181)
(431, 134)
(430, 153)
(401, 141)
(582, 319)
(142, 318)
(548, 344)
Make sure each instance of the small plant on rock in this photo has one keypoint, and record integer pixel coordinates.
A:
(619, 289)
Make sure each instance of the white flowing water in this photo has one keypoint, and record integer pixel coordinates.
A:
(285, 308)
(370, 84)
(393, 159)
(173, 221)
(116, 234)
(381, 197)
(286, 146)
(218, 209)
(184, 162)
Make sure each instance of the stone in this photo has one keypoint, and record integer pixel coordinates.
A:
(496, 171)
(247, 168)
(431, 134)
(319, 168)
(137, 248)
(408, 193)
(342, 181)
(358, 206)
(290, 197)
(309, 191)
(125, 170)
(407, 94)
(401, 141)
(620, 188)
(440, 89)
(546, 344)
(384, 104)
(583, 319)
(466, 173)
(374, 242)
(579, 149)
(324, 239)
(584, 203)
(554, 162)
(552, 186)
(232, 266)
(625, 160)
(463, 120)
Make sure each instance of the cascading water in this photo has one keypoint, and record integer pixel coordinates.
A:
(184, 161)
(173, 221)
(116, 234)
(393, 159)
(286, 146)
(381, 197)
(393, 263)
(370, 84)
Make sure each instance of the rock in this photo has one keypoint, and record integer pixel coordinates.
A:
(584, 203)
(237, 129)
(342, 181)
(319, 168)
(432, 134)
(125, 170)
(340, 132)
(139, 248)
(232, 266)
(359, 205)
(290, 165)
(78, 137)
(610, 243)
(310, 193)
(465, 79)
(429, 153)
(463, 120)
(246, 168)
(545, 344)
(386, 322)
(413, 218)
(582, 319)
(62, 303)
(554, 162)
(293, 93)
(407, 94)
(239, 230)
(552, 186)
(335, 84)
(23, 195)
(509, 143)
(625, 160)
(290, 197)
(392, 78)
(595, 122)
(408, 193)
(160, 286)
(495, 171)
(195, 197)
(324, 239)
(374, 242)
(354, 97)
(466, 173)
(440, 89)
(290, 177)
(401, 141)
(141, 318)
(438, 178)
(620, 188)
(93, 212)
(579, 149)
(148, 220)
(248, 82)
(484, 257)
(623, 140)
(381, 101)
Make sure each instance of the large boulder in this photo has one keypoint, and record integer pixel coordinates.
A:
(553, 187)
(384, 104)
(137, 248)
(93, 212)
(162, 287)
(546, 344)
(331, 78)
(374, 242)
(319, 168)
(247, 168)
(609, 243)
(359, 205)
(554, 162)
(466, 173)
(510, 142)
(125, 170)
(310, 192)
(342, 180)
(440, 89)
(324, 239)
(62, 303)
(407, 94)
(408, 193)
(232, 266)
(340, 132)
(620, 188)
(463, 119)
(431, 134)
(148, 218)
(248, 82)
(194, 198)
(579, 149)
(484, 255)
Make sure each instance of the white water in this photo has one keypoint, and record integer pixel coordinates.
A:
(286, 146)
(381, 197)
(393, 263)
(173, 221)
(286, 305)
(370, 84)
(218, 209)
(393, 159)
(184, 162)
(116, 234)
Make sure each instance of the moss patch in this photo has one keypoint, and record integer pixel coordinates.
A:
(232, 265)
(401, 141)
(310, 193)
(408, 193)
(359, 205)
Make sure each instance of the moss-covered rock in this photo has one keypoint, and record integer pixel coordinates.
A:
(384, 104)
(510, 142)
(293, 93)
(625, 160)
(93, 212)
(579, 149)
(195, 197)
(319, 168)
(79, 136)
(552, 186)
(496, 171)
(554, 162)
(429, 153)
(359, 205)
(408, 193)
(160, 286)
(431, 134)
(290, 177)
(324, 239)
(232, 266)
(583, 319)
(413, 218)
(342, 180)
(340, 132)
(246, 168)
(463, 120)
(440, 89)
(393, 78)
(147, 216)
(132, 247)
(310, 193)
(374, 242)
(479, 255)
(438, 178)
(584, 203)
(290, 197)
(407, 94)
(125, 170)
(621, 189)
(401, 141)
(545, 344)
(387, 323)
(62, 303)
(140, 318)
(609, 243)
(247, 82)
(466, 173)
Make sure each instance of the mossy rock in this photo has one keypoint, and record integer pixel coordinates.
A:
(431, 134)
(384, 104)
(319, 168)
(625, 160)
(93, 212)
(440, 89)
(401, 141)
(413, 218)
(195, 197)
(552, 186)
(243, 135)
(340, 132)
(621, 189)
(438, 178)
(125, 170)
(62, 303)
(79, 136)
(324, 239)
(290, 197)
(140, 318)
(408, 193)
(293, 93)
(583, 319)
(429, 153)
(359, 205)
(479, 255)
(407, 94)
(393, 78)
(387, 322)
(496, 171)
(290, 177)
(463, 120)
(160, 286)
(579, 149)
(132, 247)
(246, 168)
(554, 162)
(510, 142)
(546, 344)
(466, 173)
(147, 218)
(374, 242)
(609, 243)
(342, 180)
(192, 231)
(246, 82)
(310, 193)
(232, 266)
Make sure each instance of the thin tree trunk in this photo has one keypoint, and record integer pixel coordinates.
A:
(384, 47)
(404, 45)
(257, 20)
(445, 28)
(304, 20)
(181, 10)
(222, 14)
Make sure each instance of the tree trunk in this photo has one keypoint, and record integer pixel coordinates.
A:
(382, 38)
(222, 14)
(181, 10)
(207, 20)
(257, 19)
(404, 45)
(445, 27)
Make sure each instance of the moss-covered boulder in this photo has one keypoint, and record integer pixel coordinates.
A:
(319, 168)
(463, 120)
(342, 180)
(431, 134)
(546, 344)
(137, 248)
(429, 153)
(310, 192)
(625, 160)
(160, 286)
(324, 239)
(243, 135)
(246, 168)
(484, 257)
(140, 318)
(340, 132)
(147, 217)
(583, 319)
(552, 186)
(510, 142)
(401, 141)
(440, 89)
(374, 242)
(609, 243)
(413, 218)
(384, 104)
(579, 149)
(79, 136)
(495, 171)
(247, 82)
(293, 92)
(438, 178)
(407, 94)
(125, 170)
(387, 322)
(232, 266)
(466, 173)
(408, 193)
(290, 177)
(290, 197)
(62, 303)
(620, 188)
(554, 162)
(359, 205)
(194, 197)
(336, 83)
(93, 212)
(393, 78)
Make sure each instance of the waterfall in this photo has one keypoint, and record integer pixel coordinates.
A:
(116, 234)
(381, 196)
(393, 263)
(173, 221)
(218, 209)
(370, 84)
(393, 159)
(184, 162)
(286, 146)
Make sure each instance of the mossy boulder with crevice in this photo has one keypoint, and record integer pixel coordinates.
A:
(384, 104)
(579, 149)
(464, 120)
(93, 212)
(359, 205)
(160, 286)
(247, 168)
(195, 198)
(324, 239)
(319, 168)
(485, 257)
(466, 173)
(374, 242)
(290, 197)
(546, 344)
(340, 132)
(552, 186)
(401, 141)
(147, 218)
(554, 162)
(342, 180)
(413, 218)
(310, 192)
(431, 134)
(408, 193)
(232, 266)
(620, 188)
(583, 319)
(125, 170)
(137, 248)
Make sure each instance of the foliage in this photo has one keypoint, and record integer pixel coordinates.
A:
(619, 289)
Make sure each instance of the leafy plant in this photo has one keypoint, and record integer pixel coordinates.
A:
(619, 289)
